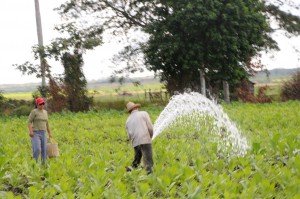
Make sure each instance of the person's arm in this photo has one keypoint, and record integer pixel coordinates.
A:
(149, 125)
(30, 129)
(48, 130)
(29, 123)
(127, 132)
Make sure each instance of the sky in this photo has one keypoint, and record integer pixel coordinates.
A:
(19, 34)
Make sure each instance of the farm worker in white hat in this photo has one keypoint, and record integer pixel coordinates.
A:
(139, 130)
(38, 125)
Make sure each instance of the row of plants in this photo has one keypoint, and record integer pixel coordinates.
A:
(94, 152)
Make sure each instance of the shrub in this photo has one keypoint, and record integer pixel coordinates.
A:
(2, 99)
(10, 107)
(246, 95)
(291, 89)
(22, 110)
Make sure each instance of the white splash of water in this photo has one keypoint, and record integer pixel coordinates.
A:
(197, 107)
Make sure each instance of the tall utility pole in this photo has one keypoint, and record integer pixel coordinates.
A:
(40, 40)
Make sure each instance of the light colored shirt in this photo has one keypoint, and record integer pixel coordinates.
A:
(38, 119)
(139, 128)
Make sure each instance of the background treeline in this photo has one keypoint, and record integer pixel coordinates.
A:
(269, 76)
(149, 91)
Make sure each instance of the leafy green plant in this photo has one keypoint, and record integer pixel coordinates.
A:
(94, 152)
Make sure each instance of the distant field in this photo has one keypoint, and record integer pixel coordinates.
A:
(103, 87)
(273, 80)
(130, 92)
(273, 90)
(106, 92)
(117, 89)
(19, 96)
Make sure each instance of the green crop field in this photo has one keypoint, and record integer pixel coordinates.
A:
(94, 152)
(115, 92)
(19, 96)
(104, 92)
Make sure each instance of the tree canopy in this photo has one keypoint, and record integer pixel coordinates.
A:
(217, 37)
(68, 89)
(220, 37)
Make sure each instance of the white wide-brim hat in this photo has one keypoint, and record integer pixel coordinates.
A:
(131, 105)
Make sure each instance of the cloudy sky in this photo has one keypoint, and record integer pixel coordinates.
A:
(18, 35)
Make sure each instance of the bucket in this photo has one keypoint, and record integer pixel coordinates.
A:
(52, 149)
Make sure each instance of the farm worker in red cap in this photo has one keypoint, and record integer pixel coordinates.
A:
(38, 125)
(139, 130)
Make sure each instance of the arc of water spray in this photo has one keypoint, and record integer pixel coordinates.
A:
(195, 103)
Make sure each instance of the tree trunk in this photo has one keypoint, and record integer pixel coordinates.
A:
(202, 82)
(40, 41)
(226, 91)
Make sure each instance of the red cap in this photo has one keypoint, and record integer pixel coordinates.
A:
(39, 100)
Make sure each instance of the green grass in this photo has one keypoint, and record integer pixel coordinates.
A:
(273, 90)
(107, 92)
(19, 96)
(94, 152)
(116, 88)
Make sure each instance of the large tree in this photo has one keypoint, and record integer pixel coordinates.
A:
(219, 37)
(214, 36)
(67, 90)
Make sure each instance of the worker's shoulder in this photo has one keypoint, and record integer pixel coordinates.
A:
(143, 112)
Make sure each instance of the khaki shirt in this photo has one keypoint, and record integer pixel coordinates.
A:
(139, 128)
(39, 119)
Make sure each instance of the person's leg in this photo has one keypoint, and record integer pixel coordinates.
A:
(147, 156)
(137, 156)
(36, 145)
(43, 146)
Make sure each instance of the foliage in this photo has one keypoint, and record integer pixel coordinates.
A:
(184, 36)
(13, 107)
(77, 41)
(221, 40)
(69, 92)
(22, 110)
(291, 89)
(244, 93)
(75, 83)
(70, 89)
(57, 101)
(2, 99)
(94, 153)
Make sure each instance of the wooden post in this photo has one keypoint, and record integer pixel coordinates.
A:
(150, 95)
(226, 91)
(202, 82)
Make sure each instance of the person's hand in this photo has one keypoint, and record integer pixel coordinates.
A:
(50, 135)
(31, 134)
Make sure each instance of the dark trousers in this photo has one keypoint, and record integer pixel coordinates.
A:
(145, 151)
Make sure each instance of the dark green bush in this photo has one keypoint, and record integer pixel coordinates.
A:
(22, 110)
(291, 88)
